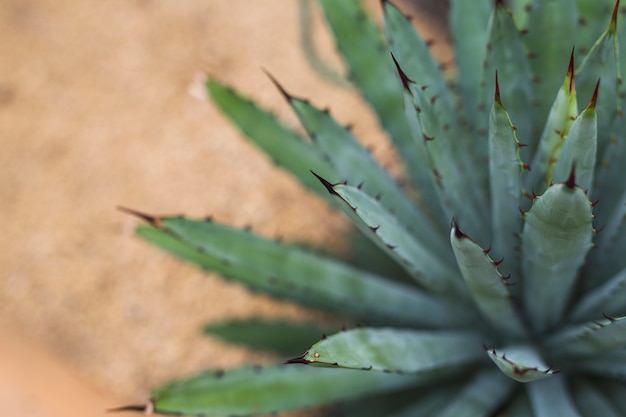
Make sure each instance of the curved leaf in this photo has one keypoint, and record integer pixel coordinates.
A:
(521, 363)
(551, 398)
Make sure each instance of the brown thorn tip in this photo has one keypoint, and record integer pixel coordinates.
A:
(497, 94)
(326, 184)
(153, 220)
(570, 71)
(594, 97)
(570, 182)
(139, 408)
(277, 84)
(300, 360)
(613, 23)
(403, 77)
(458, 233)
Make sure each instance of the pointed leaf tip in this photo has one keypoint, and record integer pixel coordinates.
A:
(458, 233)
(153, 220)
(280, 88)
(570, 182)
(497, 93)
(403, 77)
(594, 97)
(326, 184)
(299, 359)
(613, 24)
(147, 408)
(570, 71)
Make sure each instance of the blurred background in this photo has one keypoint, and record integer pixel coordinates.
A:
(101, 105)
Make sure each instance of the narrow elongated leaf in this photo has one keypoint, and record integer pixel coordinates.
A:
(469, 26)
(579, 148)
(412, 252)
(610, 364)
(362, 46)
(562, 113)
(556, 237)
(395, 350)
(480, 397)
(550, 397)
(252, 390)
(591, 401)
(521, 363)
(354, 164)
(282, 337)
(606, 299)
(506, 55)
(285, 147)
(505, 183)
(290, 272)
(592, 338)
(551, 28)
(487, 286)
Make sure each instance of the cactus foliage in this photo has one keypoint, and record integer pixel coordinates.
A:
(509, 296)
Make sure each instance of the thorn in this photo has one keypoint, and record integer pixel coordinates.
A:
(328, 185)
(609, 318)
(613, 24)
(153, 220)
(570, 182)
(594, 97)
(497, 94)
(521, 145)
(147, 408)
(458, 233)
(497, 263)
(299, 359)
(570, 71)
(403, 77)
(280, 88)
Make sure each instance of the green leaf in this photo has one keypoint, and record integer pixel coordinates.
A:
(579, 148)
(550, 397)
(562, 114)
(482, 396)
(284, 146)
(282, 337)
(394, 350)
(354, 164)
(591, 401)
(521, 363)
(290, 272)
(505, 169)
(610, 364)
(551, 28)
(606, 299)
(487, 286)
(555, 239)
(592, 338)
(362, 46)
(412, 252)
(255, 390)
(506, 55)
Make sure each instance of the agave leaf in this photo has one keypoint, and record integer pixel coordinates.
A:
(602, 63)
(606, 299)
(551, 28)
(555, 239)
(456, 190)
(594, 17)
(579, 148)
(433, 273)
(482, 395)
(353, 163)
(469, 24)
(519, 406)
(252, 390)
(521, 363)
(610, 364)
(282, 337)
(286, 148)
(550, 397)
(487, 286)
(589, 338)
(394, 350)
(506, 55)
(614, 390)
(591, 401)
(290, 272)
(505, 169)
(562, 114)
(362, 46)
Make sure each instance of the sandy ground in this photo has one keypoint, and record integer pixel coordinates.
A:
(98, 109)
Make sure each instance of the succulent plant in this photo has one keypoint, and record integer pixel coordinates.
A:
(497, 284)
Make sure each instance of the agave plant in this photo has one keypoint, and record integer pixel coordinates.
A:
(491, 290)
